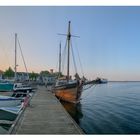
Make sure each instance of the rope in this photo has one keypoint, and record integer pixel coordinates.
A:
(79, 60)
(22, 57)
(64, 56)
(89, 92)
(73, 58)
(90, 86)
(56, 67)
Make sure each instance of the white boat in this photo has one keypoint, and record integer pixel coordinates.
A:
(14, 110)
(6, 101)
(102, 80)
(19, 87)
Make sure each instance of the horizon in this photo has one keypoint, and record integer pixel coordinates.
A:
(108, 44)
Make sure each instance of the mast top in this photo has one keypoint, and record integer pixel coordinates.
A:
(69, 34)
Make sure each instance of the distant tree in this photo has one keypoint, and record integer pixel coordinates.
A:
(9, 73)
(33, 75)
(44, 73)
(57, 74)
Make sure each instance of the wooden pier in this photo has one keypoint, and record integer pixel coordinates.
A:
(45, 115)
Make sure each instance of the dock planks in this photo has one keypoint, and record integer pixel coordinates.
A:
(45, 115)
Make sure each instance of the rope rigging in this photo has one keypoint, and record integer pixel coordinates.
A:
(70, 48)
(79, 59)
(84, 97)
(22, 56)
(73, 58)
(64, 56)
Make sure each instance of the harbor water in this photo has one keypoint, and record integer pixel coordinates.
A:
(112, 108)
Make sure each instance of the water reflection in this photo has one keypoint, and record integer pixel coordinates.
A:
(74, 110)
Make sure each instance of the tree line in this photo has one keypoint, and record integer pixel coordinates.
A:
(9, 73)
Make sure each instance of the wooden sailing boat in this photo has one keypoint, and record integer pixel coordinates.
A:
(67, 89)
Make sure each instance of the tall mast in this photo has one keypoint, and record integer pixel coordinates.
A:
(15, 56)
(60, 59)
(68, 38)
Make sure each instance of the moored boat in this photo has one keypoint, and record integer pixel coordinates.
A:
(102, 80)
(10, 113)
(66, 88)
(68, 91)
(6, 101)
(20, 87)
(6, 86)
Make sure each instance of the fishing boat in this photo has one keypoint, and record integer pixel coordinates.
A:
(66, 88)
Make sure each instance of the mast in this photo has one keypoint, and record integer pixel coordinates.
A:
(60, 59)
(15, 56)
(68, 38)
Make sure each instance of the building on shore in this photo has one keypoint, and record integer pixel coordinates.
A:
(1, 74)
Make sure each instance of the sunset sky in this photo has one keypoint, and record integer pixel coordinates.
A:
(109, 43)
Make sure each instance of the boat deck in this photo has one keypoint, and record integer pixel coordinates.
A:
(45, 115)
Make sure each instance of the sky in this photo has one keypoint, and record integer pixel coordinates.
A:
(109, 43)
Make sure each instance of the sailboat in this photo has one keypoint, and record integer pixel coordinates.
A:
(67, 89)
(6, 101)
(20, 87)
(5, 85)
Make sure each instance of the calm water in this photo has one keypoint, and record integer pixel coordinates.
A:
(112, 108)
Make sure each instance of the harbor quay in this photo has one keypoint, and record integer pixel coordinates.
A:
(44, 115)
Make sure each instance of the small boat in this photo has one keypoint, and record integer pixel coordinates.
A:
(2, 130)
(102, 80)
(25, 97)
(6, 101)
(20, 87)
(21, 95)
(87, 82)
(6, 85)
(10, 113)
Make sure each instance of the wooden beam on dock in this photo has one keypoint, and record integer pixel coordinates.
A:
(45, 115)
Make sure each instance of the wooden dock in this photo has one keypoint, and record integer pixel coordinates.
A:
(45, 115)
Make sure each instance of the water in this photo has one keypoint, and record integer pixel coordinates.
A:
(112, 108)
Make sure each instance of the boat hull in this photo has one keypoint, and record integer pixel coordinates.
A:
(6, 87)
(23, 90)
(9, 102)
(68, 94)
(5, 115)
